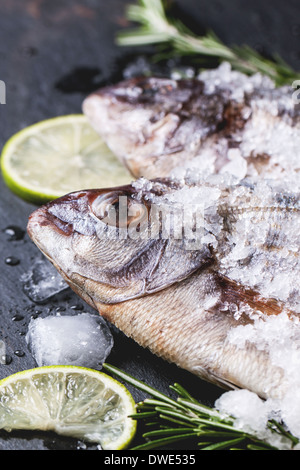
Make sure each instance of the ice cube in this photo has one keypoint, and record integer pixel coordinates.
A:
(42, 281)
(80, 340)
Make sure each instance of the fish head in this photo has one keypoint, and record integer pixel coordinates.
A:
(100, 242)
(153, 124)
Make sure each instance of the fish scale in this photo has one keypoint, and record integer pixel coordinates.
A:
(188, 316)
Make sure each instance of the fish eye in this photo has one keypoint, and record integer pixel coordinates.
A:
(119, 210)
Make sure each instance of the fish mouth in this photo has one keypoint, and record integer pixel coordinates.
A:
(46, 228)
(45, 219)
(41, 226)
(42, 218)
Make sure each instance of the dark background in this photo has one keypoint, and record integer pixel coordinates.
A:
(52, 54)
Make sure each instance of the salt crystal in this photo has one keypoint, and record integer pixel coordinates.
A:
(180, 73)
(141, 66)
(260, 236)
(264, 135)
(232, 82)
(237, 165)
(79, 340)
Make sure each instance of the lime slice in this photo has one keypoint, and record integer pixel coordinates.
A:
(71, 401)
(57, 156)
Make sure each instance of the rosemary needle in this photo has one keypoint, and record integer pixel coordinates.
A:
(186, 418)
(156, 28)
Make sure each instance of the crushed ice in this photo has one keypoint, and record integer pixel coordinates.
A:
(251, 414)
(268, 144)
(234, 83)
(79, 340)
(254, 228)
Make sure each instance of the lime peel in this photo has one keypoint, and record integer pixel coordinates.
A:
(59, 155)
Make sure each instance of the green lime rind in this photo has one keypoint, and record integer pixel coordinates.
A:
(27, 398)
(24, 192)
(56, 156)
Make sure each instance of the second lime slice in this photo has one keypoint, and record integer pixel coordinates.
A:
(57, 156)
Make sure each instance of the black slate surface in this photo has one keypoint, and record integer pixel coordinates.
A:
(51, 55)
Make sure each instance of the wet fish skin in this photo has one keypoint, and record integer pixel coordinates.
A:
(219, 121)
(166, 298)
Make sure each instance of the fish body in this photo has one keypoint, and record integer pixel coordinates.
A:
(184, 295)
(220, 122)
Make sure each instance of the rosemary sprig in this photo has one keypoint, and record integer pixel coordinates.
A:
(155, 27)
(185, 418)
